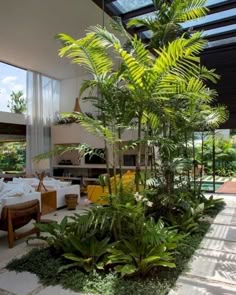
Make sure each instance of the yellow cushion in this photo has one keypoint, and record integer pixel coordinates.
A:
(96, 192)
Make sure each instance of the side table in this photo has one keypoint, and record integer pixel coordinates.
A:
(48, 202)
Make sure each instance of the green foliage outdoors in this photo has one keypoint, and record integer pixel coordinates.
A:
(225, 156)
(17, 103)
(12, 156)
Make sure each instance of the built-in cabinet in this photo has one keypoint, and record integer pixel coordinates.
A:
(71, 166)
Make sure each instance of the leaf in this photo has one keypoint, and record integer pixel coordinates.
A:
(126, 269)
(67, 266)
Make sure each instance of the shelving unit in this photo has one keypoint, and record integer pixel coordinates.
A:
(80, 170)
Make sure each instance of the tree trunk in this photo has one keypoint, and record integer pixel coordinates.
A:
(138, 160)
(146, 149)
(169, 178)
(201, 170)
(194, 164)
(107, 168)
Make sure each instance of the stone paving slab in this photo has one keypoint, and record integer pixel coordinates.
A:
(58, 290)
(214, 244)
(214, 265)
(228, 211)
(193, 286)
(22, 283)
(222, 232)
(225, 219)
(230, 203)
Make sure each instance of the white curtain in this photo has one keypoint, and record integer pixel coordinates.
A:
(43, 95)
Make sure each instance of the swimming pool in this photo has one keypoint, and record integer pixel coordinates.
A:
(208, 186)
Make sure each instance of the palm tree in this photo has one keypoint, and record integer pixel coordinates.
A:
(174, 76)
(165, 24)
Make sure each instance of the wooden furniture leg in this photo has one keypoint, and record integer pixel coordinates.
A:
(16, 216)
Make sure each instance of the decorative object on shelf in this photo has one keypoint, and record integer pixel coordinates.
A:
(65, 162)
(71, 201)
(40, 167)
(77, 106)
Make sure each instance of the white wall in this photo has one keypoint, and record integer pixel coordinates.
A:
(12, 118)
(69, 91)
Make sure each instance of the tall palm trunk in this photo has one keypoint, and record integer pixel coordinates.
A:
(107, 168)
(139, 151)
(194, 164)
(146, 152)
(119, 152)
(106, 157)
(168, 172)
(201, 170)
(187, 157)
(114, 166)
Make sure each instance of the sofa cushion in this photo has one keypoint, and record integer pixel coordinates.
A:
(11, 189)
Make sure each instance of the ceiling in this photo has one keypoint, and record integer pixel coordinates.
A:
(28, 27)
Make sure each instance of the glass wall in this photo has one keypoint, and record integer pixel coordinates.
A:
(215, 160)
(12, 89)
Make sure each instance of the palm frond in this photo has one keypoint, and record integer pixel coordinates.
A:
(97, 128)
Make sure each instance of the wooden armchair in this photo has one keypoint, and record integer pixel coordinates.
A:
(16, 216)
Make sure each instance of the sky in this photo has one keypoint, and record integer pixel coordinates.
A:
(11, 79)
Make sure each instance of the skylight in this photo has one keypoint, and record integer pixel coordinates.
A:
(125, 6)
(220, 30)
(211, 18)
(219, 23)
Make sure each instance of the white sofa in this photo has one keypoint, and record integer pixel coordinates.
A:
(11, 194)
(20, 190)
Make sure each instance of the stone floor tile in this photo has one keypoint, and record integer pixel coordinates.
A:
(214, 265)
(222, 232)
(57, 290)
(3, 292)
(218, 245)
(225, 219)
(18, 283)
(228, 211)
(193, 286)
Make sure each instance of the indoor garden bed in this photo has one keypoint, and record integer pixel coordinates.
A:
(45, 264)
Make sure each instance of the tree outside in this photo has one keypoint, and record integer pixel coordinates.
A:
(17, 103)
(12, 156)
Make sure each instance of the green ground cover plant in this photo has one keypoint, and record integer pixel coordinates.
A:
(45, 264)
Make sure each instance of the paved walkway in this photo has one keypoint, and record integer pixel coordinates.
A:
(211, 272)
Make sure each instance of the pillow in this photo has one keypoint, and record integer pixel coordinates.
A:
(14, 193)
(24, 180)
(11, 189)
